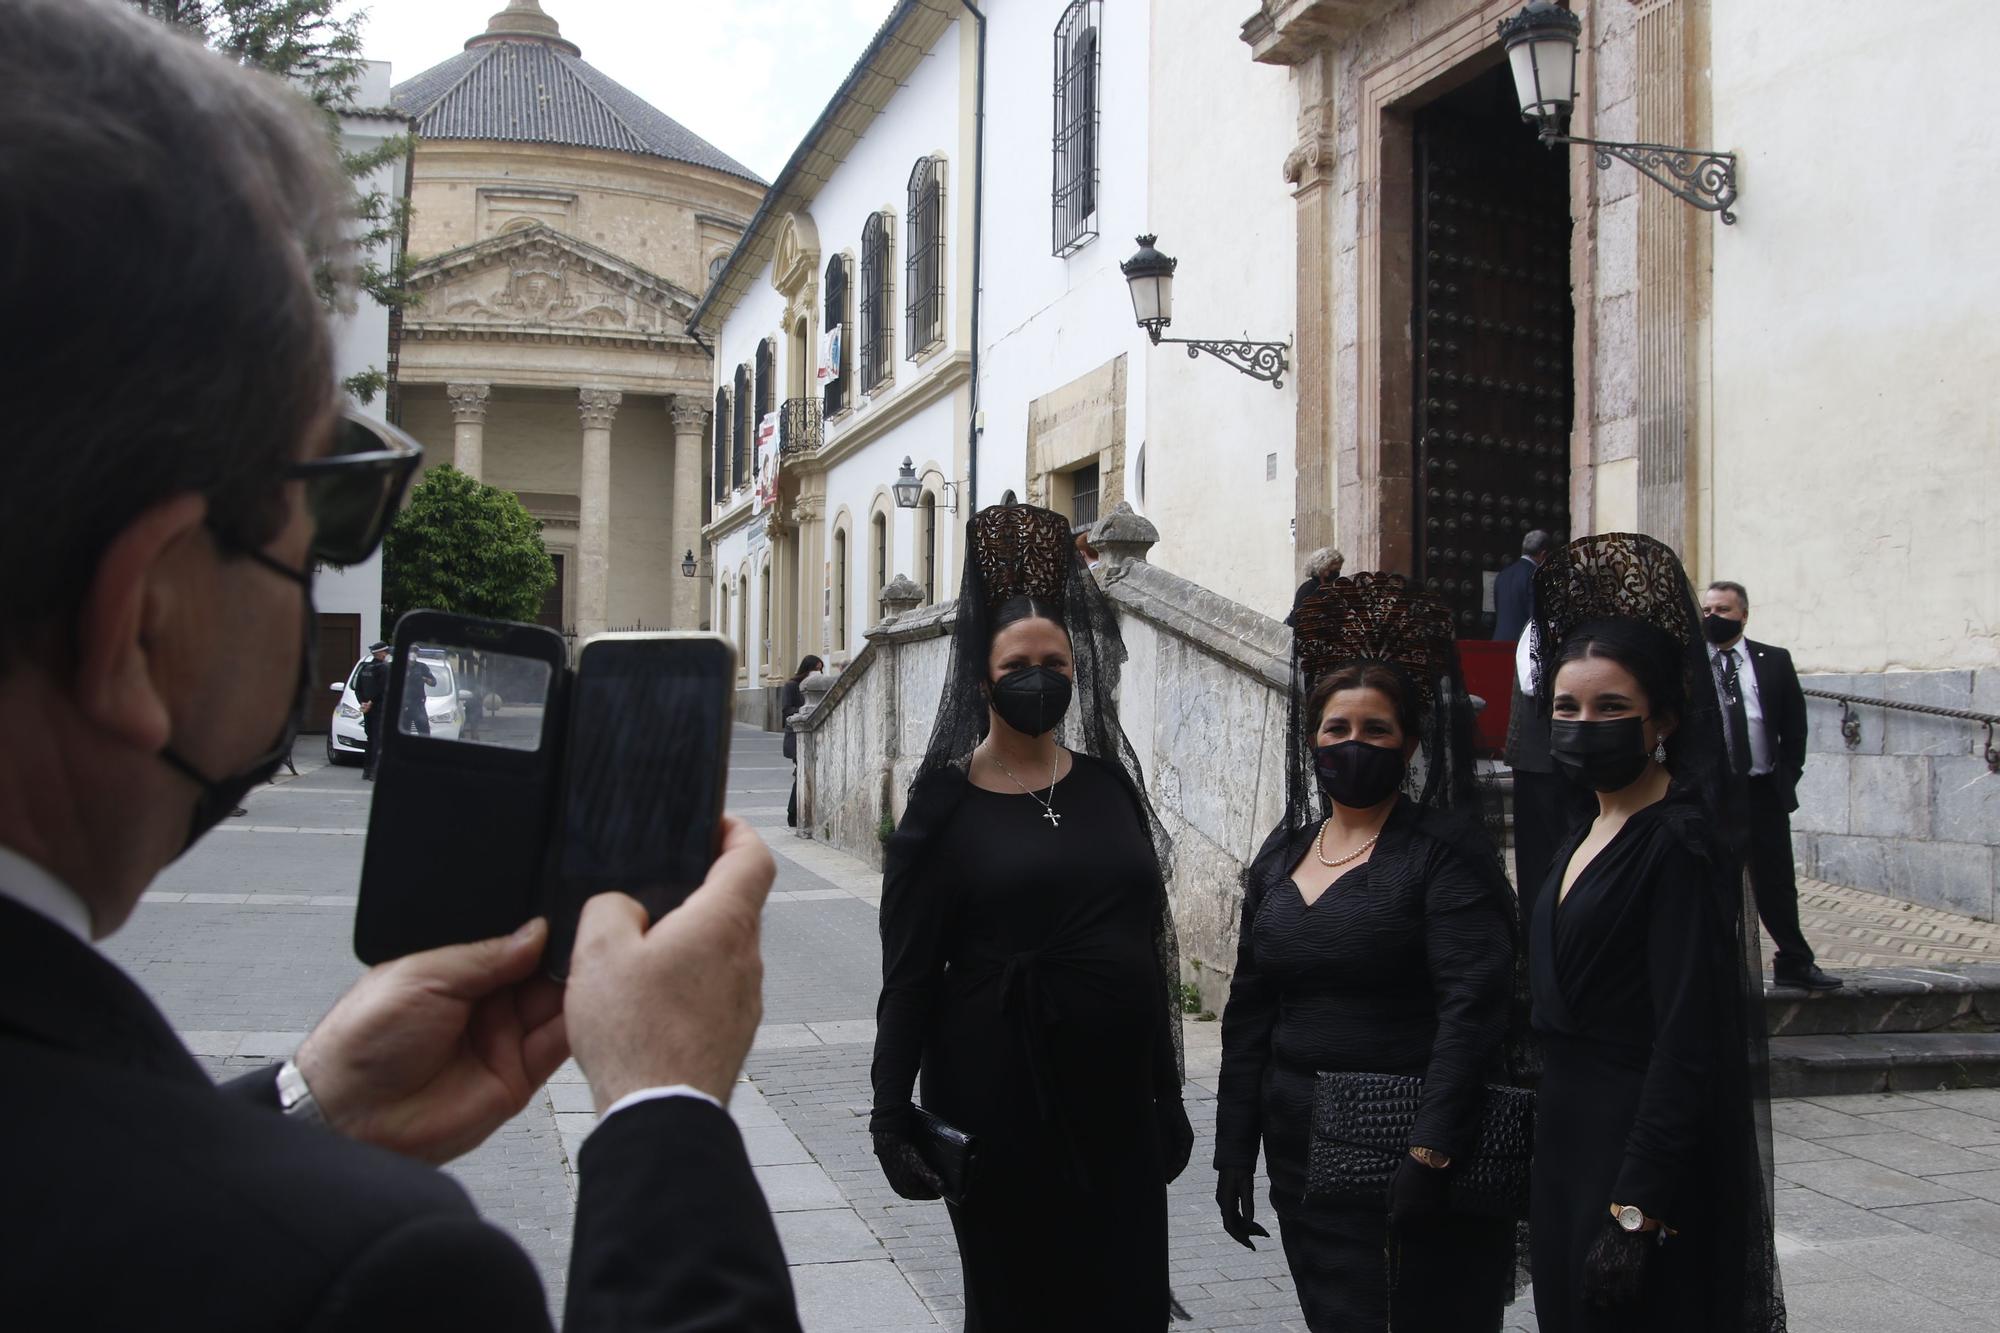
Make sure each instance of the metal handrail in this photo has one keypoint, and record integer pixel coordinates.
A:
(1850, 721)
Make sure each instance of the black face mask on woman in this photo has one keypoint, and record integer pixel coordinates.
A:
(1358, 775)
(1604, 756)
(1032, 700)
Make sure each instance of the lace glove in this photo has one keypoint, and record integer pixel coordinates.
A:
(1614, 1272)
(894, 1131)
(1236, 1196)
(1176, 1135)
(1417, 1193)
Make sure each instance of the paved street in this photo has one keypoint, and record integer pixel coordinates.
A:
(1889, 1206)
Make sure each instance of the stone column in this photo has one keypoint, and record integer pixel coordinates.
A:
(689, 417)
(468, 429)
(1310, 169)
(593, 527)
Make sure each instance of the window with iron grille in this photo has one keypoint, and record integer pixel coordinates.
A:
(929, 508)
(878, 290)
(720, 426)
(1083, 498)
(767, 355)
(1076, 69)
(923, 263)
(836, 326)
(739, 471)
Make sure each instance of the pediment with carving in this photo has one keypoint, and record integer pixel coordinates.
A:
(539, 278)
(795, 263)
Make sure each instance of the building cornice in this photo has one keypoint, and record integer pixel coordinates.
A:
(1285, 32)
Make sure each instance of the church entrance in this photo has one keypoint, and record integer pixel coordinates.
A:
(1491, 333)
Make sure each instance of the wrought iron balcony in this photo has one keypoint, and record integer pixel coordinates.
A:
(801, 427)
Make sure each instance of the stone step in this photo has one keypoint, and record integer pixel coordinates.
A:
(1943, 998)
(1834, 1065)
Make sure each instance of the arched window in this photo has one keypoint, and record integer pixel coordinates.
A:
(836, 333)
(767, 353)
(878, 563)
(764, 615)
(877, 299)
(743, 620)
(720, 429)
(739, 470)
(923, 264)
(1075, 193)
(840, 589)
(927, 544)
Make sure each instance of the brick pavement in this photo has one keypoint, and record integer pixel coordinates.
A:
(1888, 1210)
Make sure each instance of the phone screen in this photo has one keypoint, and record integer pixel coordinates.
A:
(643, 787)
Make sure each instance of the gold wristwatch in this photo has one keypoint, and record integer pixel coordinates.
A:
(1630, 1218)
(1431, 1157)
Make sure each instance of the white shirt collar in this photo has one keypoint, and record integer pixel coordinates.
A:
(37, 890)
(1740, 648)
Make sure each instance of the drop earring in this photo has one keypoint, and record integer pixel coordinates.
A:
(1660, 751)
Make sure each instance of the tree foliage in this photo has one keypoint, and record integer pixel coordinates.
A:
(303, 43)
(466, 547)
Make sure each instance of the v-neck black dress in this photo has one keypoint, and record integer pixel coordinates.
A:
(1019, 970)
(1632, 1006)
(1403, 965)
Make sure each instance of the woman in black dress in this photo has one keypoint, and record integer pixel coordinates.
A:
(1378, 935)
(1028, 959)
(1651, 1187)
(790, 700)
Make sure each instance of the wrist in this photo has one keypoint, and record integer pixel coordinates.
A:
(1430, 1157)
(1631, 1219)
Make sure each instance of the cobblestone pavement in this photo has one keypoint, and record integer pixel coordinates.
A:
(1889, 1206)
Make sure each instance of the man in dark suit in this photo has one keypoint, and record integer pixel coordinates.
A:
(371, 687)
(1514, 588)
(167, 391)
(1764, 726)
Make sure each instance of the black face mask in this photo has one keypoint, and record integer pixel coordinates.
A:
(220, 796)
(1719, 630)
(1604, 756)
(1358, 775)
(1032, 700)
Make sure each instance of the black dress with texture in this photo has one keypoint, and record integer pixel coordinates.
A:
(1634, 1008)
(1019, 970)
(1403, 965)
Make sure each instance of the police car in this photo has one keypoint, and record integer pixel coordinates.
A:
(347, 742)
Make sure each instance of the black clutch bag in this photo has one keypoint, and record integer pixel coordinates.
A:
(948, 1151)
(1361, 1128)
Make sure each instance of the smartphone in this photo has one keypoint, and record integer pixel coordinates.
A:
(470, 732)
(645, 772)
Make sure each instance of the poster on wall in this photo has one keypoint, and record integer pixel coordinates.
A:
(829, 354)
(767, 462)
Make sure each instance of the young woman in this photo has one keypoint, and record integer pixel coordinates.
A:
(1378, 936)
(1651, 1188)
(1028, 961)
(790, 700)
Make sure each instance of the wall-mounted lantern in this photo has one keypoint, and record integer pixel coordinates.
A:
(1150, 275)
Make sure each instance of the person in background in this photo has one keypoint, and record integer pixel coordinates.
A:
(371, 687)
(1514, 588)
(790, 700)
(1764, 715)
(1322, 568)
(1546, 804)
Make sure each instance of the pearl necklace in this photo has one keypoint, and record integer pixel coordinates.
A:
(1357, 853)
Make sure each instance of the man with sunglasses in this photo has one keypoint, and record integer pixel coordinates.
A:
(174, 466)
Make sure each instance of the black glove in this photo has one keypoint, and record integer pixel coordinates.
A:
(1236, 1196)
(1614, 1272)
(1417, 1193)
(1176, 1135)
(904, 1168)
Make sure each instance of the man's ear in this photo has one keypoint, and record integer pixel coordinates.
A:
(136, 593)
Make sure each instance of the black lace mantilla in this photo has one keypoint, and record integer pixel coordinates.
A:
(1021, 551)
(1374, 618)
(1614, 576)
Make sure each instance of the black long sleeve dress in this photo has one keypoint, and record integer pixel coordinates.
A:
(1644, 1097)
(1019, 971)
(1403, 966)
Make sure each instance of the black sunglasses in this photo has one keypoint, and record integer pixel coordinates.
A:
(354, 491)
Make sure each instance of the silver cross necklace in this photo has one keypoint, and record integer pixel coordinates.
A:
(1047, 803)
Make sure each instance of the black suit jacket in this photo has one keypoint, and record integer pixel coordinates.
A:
(1513, 600)
(1784, 705)
(138, 1194)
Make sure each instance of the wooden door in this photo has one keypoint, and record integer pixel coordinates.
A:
(334, 655)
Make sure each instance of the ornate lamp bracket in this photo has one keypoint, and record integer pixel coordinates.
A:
(1260, 361)
(1699, 176)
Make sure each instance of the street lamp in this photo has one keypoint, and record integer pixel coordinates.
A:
(909, 488)
(1541, 43)
(688, 565)
(1150, 276)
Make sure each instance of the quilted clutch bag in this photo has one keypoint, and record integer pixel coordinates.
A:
(948, 1151)
(1361, 1128)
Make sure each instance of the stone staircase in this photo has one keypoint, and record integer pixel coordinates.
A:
(1890, 1029)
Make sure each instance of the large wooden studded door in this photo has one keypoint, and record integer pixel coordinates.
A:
(1491, 329)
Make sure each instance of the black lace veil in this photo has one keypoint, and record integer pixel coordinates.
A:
(1631, 586)
(1023, 551)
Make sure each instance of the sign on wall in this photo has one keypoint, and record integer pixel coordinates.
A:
(767, 462)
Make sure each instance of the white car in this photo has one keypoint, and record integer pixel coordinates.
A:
(347, 742)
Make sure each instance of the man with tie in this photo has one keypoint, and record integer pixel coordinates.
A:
(1514, 588)
(1764, 723)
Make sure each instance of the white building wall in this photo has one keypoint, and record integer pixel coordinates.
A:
(1856, 432)
(1221, 457)
(1047, 320)
(361, 341)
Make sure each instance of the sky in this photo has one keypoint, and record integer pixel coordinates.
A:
(749, 76)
